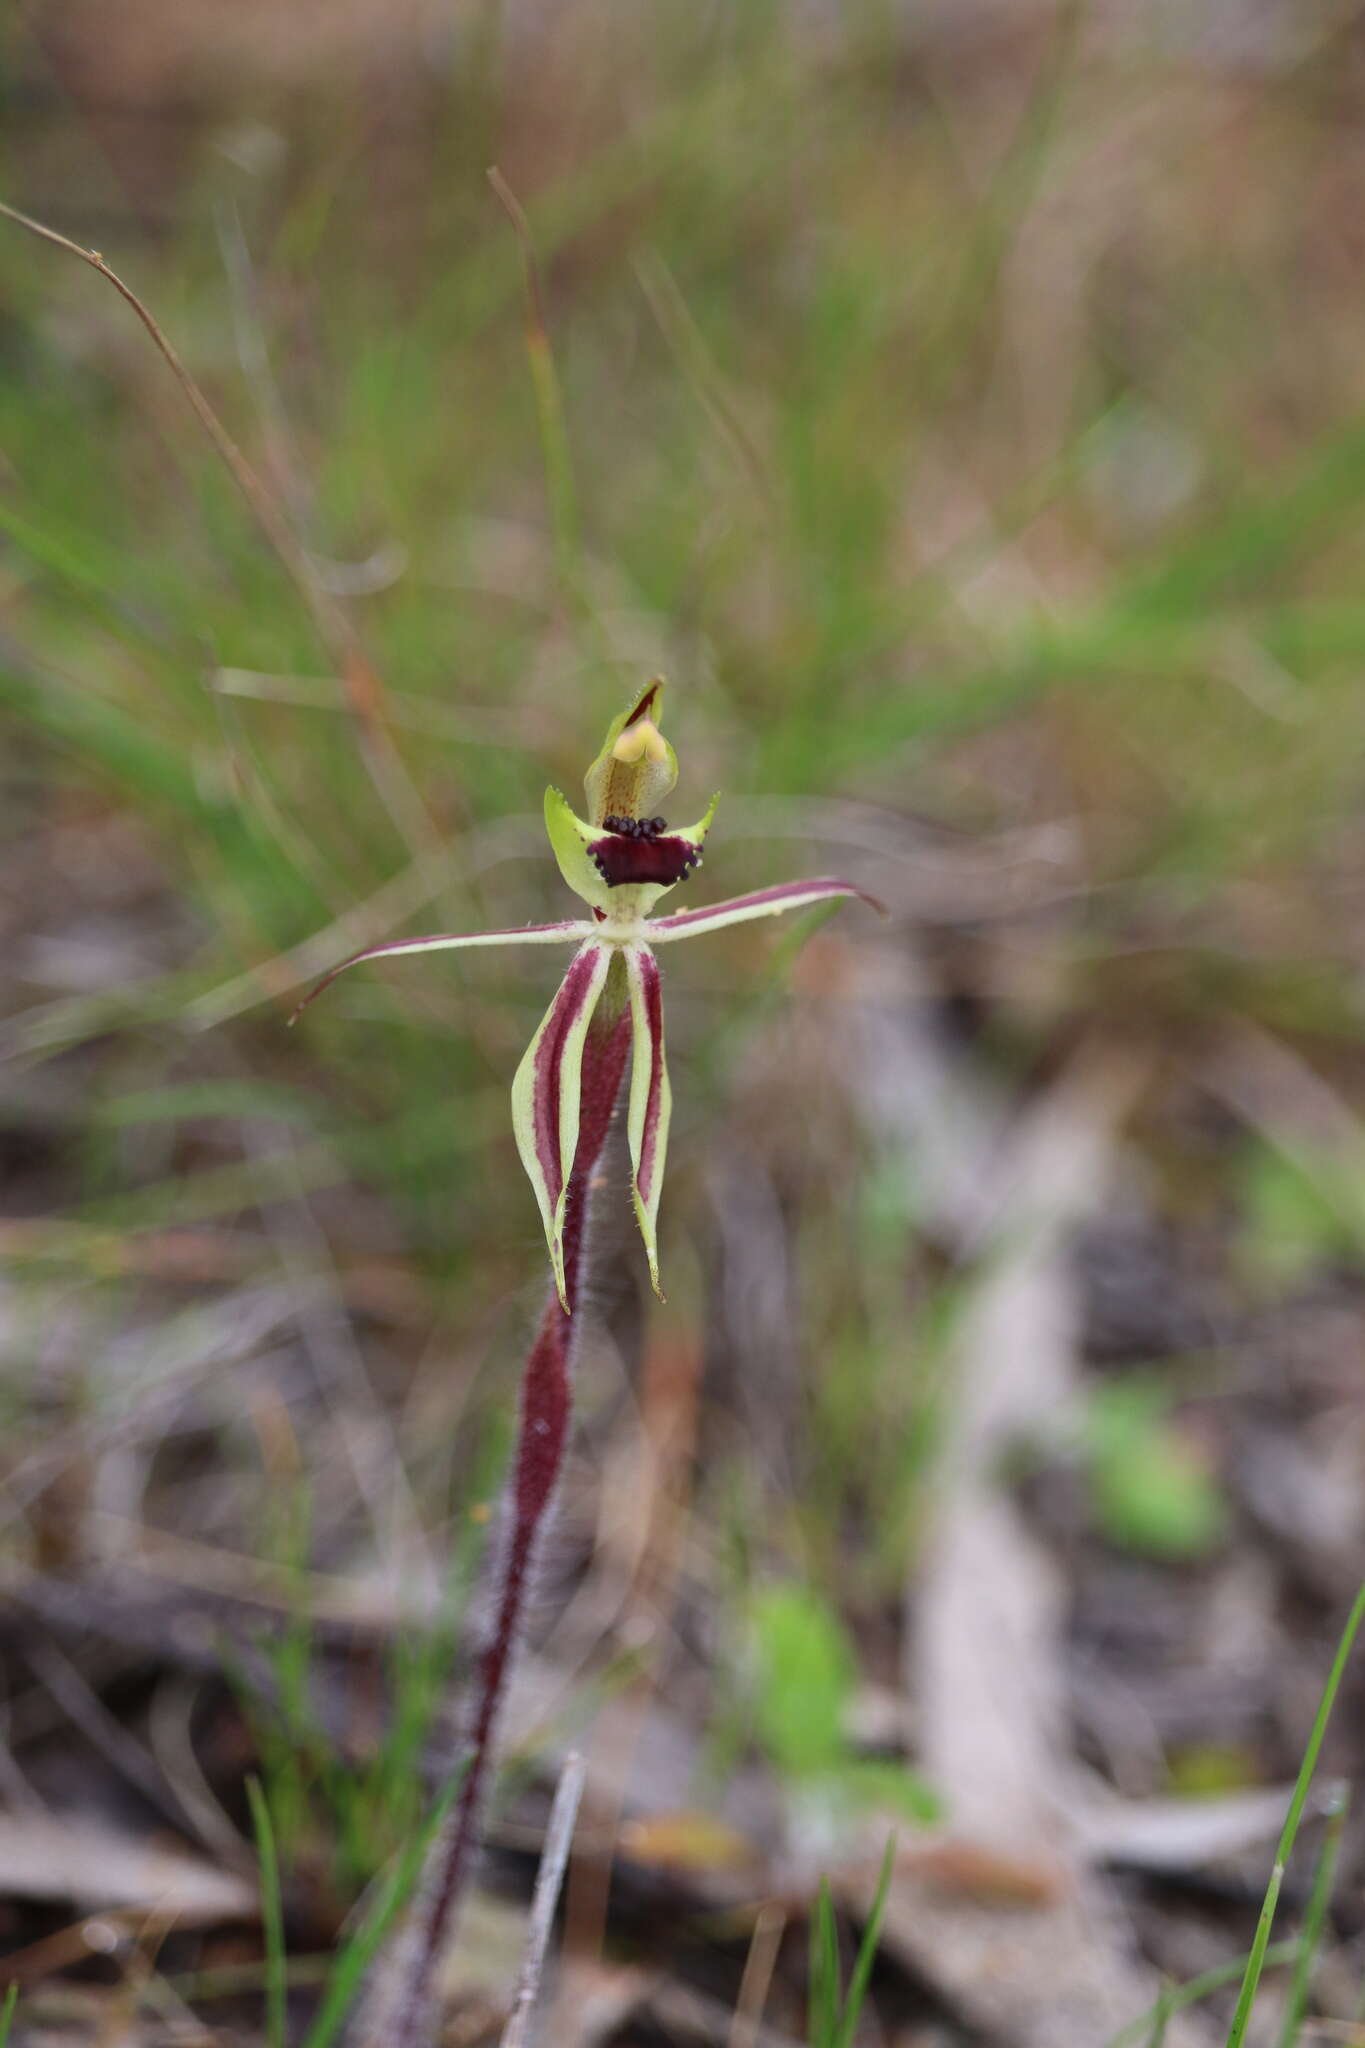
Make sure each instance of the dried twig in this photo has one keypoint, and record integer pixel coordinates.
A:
(769, 1928)
(553, 1861)
(87, 1711)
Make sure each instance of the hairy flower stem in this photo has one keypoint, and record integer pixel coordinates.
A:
(542, 1437)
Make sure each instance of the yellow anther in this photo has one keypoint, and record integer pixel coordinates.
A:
(641, 742)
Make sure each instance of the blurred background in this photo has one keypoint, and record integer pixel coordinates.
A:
(963, 405)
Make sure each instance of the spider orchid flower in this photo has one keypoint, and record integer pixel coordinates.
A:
(621, 860)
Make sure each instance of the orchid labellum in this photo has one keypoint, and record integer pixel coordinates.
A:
(621, 860)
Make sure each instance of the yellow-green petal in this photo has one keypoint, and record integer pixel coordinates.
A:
(570, 838)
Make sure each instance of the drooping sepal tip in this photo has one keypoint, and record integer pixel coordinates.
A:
(651, 1253)
(557, 1261)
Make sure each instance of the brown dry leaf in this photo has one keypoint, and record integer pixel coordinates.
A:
(1005, 1916)
(592, 1999)
(42, 1857)
(986, 1611)
(686, 1841)
(1056, 1976)
(1183, 1834)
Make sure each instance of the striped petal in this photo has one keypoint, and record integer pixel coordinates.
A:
(572, 929)
(651, 1098)
(546, 1095)
(687, 924)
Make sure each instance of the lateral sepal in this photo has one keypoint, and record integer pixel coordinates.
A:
(546, 1094)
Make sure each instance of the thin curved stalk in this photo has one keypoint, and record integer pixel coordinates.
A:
(400, 2010)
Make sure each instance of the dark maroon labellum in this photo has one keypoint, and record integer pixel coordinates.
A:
(643, 854)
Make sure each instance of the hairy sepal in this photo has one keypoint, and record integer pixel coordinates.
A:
(547, 1096)
(569, 931)
(783, 896)
(651, 1098)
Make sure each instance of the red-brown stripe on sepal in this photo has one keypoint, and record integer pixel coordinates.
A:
(714, 917)
(546, 1094)
(441, 942)
(646, 706)
(651, 1098)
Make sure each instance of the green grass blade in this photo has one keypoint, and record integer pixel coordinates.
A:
(361, 1948)
(1191, 1992)
(862, 1968)
(1161, 2014)
(272, 1917)
(1256, 1960)
(824, 1971)
(58, 556)
(1315, 1919)
(554, 437)
(7, 2010)
(1264, 535)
